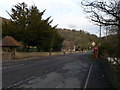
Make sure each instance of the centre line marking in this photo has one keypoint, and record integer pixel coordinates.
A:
(12, 66)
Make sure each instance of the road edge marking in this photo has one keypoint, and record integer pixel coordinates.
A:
(86, 82)
(16, 84)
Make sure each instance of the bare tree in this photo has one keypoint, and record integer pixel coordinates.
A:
(104, 13)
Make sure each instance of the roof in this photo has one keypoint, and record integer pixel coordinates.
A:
(9, 41)
(68, 44)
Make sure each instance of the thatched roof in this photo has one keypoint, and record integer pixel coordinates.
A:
(9, 41)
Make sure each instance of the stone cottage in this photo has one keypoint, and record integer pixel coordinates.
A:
(9, 45)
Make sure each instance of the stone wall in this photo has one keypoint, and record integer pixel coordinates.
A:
(6, 56)
(20, 55)
(56, 53)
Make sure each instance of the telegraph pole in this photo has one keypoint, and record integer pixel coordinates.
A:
(100, 31)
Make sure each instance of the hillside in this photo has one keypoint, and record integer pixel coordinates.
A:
(4, 19)
(81, 38)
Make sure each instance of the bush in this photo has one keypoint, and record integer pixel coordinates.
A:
(104, 49)
(112, 73)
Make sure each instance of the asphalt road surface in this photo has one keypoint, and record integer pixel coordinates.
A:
(64, 71)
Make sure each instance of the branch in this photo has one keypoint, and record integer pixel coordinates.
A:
(110, 9)
(104, 23)
(101, 20)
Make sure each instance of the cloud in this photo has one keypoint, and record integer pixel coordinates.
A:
(72, 26)
(66, 13)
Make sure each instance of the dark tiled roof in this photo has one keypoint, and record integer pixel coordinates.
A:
(9, 41)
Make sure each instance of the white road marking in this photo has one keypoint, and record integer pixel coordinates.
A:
(86, 83)
(12, 66)
(22, 81)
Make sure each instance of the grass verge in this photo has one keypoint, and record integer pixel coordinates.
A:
(91, 56)
(112, 73)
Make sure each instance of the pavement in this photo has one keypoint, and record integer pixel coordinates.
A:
(64, 71)
(98, 77)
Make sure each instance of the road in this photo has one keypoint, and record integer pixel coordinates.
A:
(64, 71)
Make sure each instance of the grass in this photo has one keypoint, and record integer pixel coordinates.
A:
(113, 75)
(91, 56)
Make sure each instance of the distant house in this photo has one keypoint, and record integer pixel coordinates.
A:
(68, 45)
(9, 45)
(93, 44)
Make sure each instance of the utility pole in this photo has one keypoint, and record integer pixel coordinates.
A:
(100, 31)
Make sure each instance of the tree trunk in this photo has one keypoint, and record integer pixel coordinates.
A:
(38, 48)
(28, 47)
(24, 48)
(118, 32)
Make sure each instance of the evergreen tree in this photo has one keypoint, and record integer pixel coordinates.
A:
(26, 25)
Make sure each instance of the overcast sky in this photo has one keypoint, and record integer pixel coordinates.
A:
(65, 13)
